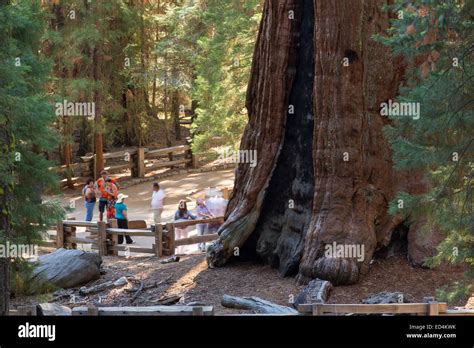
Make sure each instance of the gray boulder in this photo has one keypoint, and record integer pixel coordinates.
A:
(67, 268)
(53, 309)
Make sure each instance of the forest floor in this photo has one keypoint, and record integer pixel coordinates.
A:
(189, 280)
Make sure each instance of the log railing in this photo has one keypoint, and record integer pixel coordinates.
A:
(176, 310)
(430, 307)
(367, 309)
(168, 234)
(104, 236)
(137, 159)
(91, 310)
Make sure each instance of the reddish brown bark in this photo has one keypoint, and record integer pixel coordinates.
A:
(175, 114)
(271, 77)
(351, 179)
(67, 154)
(351, 197)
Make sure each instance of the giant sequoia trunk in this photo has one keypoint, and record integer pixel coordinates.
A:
(324, 171)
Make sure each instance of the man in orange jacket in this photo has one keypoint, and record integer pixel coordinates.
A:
(102, 193)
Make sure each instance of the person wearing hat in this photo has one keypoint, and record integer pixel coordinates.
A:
(202, 213)
(121, 216)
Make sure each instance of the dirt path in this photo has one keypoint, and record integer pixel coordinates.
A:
(176, 187)
(191, 278)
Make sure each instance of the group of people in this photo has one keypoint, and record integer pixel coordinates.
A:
(106, 191)
(202, 212)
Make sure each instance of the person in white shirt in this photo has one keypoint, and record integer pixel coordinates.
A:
(157, 202)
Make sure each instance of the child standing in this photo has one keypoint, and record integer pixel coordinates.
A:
(202, 213)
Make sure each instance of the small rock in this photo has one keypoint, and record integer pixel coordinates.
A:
(62, 294)
(171, 259)
(196, 303)
(317, 291)
(121, 281)
(386, 297)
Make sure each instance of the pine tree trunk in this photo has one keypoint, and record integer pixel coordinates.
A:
(6, 155)
(324, 171)
(175, 114)
(98, 137)
(165, 121)
(67, 162)
(6, 188)
(194, 106)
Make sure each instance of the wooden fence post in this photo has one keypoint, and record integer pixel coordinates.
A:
(30, 310)
(102, 226)
(92, 310)
(114, 237)
(140, 158)
(433, 305)
(318, 308)
(158, 240)
(60, 234)
(198, 311)
(194, 161)
(73, 235)
(433, 308)
(225, 192)
(188, 154)
(171, 239)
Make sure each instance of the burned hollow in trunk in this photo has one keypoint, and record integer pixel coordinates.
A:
(286, 213)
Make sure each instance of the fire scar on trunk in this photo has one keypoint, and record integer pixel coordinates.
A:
(324, 173)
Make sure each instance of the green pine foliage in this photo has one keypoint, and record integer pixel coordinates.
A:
(214, 40)
(23, 101)
(436, 40)
(223, 70)
(76, 29)
(151, 53)
(176, 50)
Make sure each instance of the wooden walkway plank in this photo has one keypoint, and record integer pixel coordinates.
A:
(149, 310)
